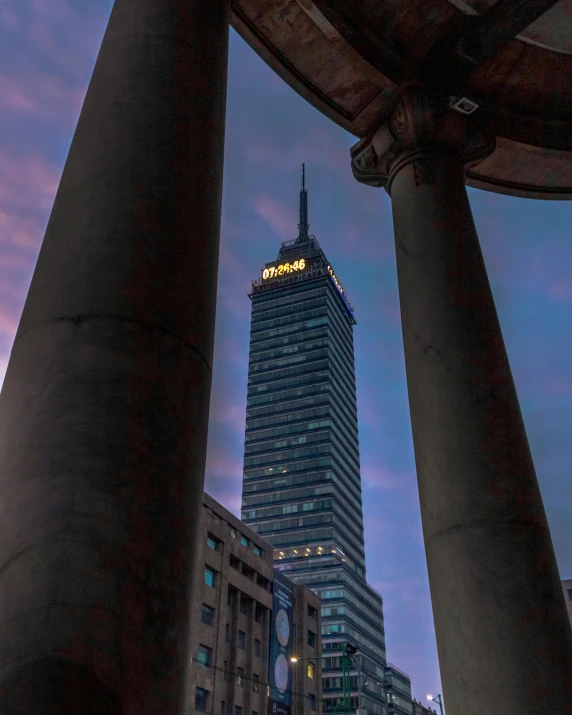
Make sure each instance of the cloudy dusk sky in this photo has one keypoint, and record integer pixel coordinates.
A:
(47, 52)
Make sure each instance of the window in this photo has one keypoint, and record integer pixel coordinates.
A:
(213, 542)
(237, 710)
(258, 614)
(243, 540)
(222, 707)
(201, 699)
(570, 594)
(241, 640)
(204, 655)
(209, 576)
(207, 615)
(227, 633)
(312, 699)
(312, 611)
(234, 562)
(255, 683)
(233, 534)
(256, 551)
(256, 648)
(244, 605)
(225, 669)
(311, 639)
(240, 676)
(310, 670)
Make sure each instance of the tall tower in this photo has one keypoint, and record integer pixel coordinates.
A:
(302, 485)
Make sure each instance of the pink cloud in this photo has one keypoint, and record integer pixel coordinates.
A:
(561, 291)
(316, 147)
(281, 217)
(223, 479)
(27, 183)
(557, 387)
(381, 477)
(8, 321)
(43, 95)
(234, 416)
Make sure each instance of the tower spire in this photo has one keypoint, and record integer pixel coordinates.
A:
(303, 225)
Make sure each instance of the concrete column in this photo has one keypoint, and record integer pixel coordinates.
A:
(500, 622)
(104, 409)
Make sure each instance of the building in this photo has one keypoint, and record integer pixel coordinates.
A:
(238, 664)
(567, 588)
(398, 691)
(302, 483)
(420, 709)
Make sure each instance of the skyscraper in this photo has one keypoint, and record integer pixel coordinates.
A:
(302, 485)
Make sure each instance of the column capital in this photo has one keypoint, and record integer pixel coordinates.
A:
(420, 128)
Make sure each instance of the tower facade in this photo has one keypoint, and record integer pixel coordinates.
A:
(302, 486)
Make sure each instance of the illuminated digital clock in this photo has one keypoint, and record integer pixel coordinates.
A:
(283, 269)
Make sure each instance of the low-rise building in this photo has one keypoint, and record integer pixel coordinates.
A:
(420, 709)
(247, 622)
(398, 690)
(567, 588)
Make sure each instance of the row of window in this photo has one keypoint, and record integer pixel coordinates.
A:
(216, 544)
(283, 332)
(306, 292)
(345, 470)
(306, 384)
(324, 405)
(288, 337)
(328, 303)
(289, 496)
(287, 419)
(298, 428)
(263, 360)
(202, 703)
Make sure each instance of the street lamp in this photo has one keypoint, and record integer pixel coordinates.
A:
(437, 699)
(348, 657)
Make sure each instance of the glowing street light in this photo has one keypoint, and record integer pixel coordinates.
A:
(437, 699)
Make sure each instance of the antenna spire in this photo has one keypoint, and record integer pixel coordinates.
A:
(303, 225)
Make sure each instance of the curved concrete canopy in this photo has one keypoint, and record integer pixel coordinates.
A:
(349, 58)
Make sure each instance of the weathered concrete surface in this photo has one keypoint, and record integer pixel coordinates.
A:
(502, 632)
(104, 409)
(350, 59)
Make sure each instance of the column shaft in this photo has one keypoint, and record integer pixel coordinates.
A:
(502, 634)
(104, 408)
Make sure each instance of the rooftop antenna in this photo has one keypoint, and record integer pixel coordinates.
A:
(303, 225)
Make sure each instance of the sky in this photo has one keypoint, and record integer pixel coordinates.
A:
(47, 52)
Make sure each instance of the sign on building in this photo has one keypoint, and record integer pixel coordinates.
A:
(279, 675)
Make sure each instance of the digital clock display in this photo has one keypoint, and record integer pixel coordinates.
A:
(283, 269)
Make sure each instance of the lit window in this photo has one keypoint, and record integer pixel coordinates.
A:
(212, 542)
(204, 655)
(256, 551)
(209, 577)
(233, 533)
(240, 676)
(310, 670)
(244, 540)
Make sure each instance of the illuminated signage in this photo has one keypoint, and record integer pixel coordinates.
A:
(340, 289)
(283, 269)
